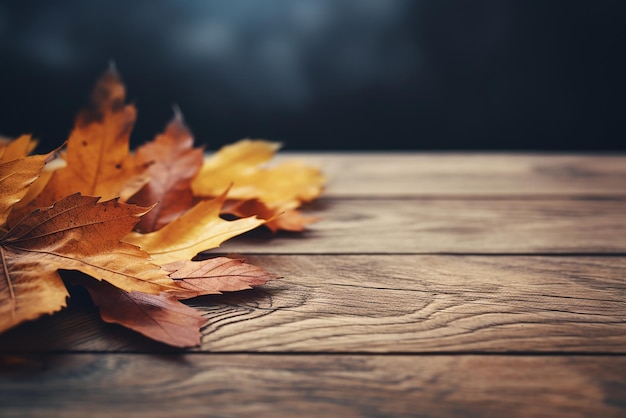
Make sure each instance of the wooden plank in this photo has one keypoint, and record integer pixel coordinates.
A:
(391, 304)
(408, 226)
(468, 174)
(112, 385)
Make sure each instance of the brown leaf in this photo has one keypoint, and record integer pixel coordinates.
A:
(98, 156)
(215, 275)
(160, 317)
(77, 233)
(172, 162)
(200, 229)
(16, 176)
(288, 220)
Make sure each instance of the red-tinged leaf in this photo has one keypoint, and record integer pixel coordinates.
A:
(160, 317)
(47, 225)
(277, 219)
(172, 163)
(215, 275)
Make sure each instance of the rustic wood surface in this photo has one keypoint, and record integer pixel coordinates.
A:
(250, 385)
(436, 285)
(410, 226)
(390, 174)
(374, 303)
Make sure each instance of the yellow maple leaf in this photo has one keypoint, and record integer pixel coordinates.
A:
(284, 186)
(200, 229)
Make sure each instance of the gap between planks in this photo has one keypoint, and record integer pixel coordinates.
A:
(450, 226)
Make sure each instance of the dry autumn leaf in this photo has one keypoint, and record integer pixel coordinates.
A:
(274, 191)
(200, 229)
(18, 148)
(70, 230)
(76, 233)
(160, 317)
(276, 219)
(240, 164)
(215, 275)
(16, 176)
(98, 156)
(172, 162)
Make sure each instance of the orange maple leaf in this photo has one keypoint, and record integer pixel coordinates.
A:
(98, 156)
(76, 233)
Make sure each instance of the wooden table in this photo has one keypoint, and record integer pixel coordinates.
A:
(436, 285)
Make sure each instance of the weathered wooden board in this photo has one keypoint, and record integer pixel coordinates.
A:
(389, 304)
(405, 226)
(117, 385)
(439, 285)
(469, 174)
(434, 304)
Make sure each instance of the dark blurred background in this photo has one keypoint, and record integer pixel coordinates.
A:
(328, 74)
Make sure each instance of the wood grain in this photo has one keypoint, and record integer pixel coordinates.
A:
(436, 284)
(111, 385)
(468, 174)
(389, 304)
(409, 226)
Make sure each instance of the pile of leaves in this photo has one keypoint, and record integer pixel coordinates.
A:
(133, 223)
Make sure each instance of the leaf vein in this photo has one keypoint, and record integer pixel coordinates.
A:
(8, 280)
